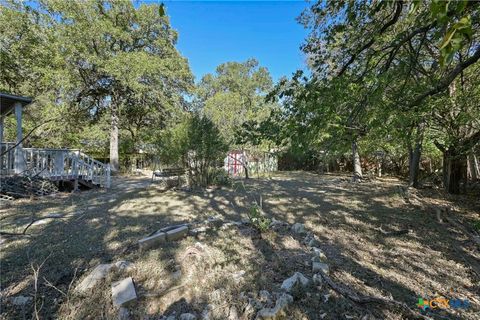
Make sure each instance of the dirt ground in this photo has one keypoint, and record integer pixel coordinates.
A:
(224, 268)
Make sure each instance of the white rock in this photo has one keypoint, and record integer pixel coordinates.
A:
(123, 292)
(319, 253)
(152, 240)
(298, 228)
(20, 300)
(271, 313)
(97, 274)
(188, 316)
(289, 283)
(123, 265)
(265, 296)
(319, 266)
(317, 279)
(206, 313)
(177, 234)
(314, 242)
(233, 313)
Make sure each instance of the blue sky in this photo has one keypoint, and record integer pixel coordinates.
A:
(213, 32)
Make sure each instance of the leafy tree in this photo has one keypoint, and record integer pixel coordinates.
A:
(195, 143)
(390, 59)
(233, 97)
(120, 59)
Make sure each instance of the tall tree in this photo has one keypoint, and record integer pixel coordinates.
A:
(410, 51)
(234, 95)
(121, 58)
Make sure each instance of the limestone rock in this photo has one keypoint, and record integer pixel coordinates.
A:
(91, 280)
(272, 313)
(319, 266)
(188, 316)
(265, 296)
(152, 240)
(20, 300)
(123, 265)
(177, 233)
(319, 253)
(289, 283)
(298, 228)
(233, 313)
(123, 292)
(317, 279)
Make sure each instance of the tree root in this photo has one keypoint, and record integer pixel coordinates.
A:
(361, 299)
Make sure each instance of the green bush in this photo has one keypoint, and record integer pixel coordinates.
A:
(258, 219)
(195, 144)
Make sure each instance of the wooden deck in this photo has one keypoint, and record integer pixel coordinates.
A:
(55, 164)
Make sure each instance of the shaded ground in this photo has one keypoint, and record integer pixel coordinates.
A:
(234, 264)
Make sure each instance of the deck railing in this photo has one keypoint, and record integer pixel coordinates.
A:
(57, 164)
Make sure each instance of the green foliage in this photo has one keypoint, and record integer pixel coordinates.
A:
(258, 219)
(221, 178)
(234, 96)
(86, 61)
(195, 143)
(476, 225)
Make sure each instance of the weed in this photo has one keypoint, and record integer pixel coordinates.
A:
(258, 219)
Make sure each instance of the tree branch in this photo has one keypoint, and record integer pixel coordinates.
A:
(445, 82)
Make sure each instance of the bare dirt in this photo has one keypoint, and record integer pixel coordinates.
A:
(223, 268)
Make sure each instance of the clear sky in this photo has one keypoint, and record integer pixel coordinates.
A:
(213, 32)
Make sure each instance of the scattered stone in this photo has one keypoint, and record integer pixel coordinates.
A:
(314, 242)
(217, 295)
(123, 292)
(319, 253)
(298, 228)
(238, 276)
(177, 233)
(265, 296)
(42, 221)
(233, 313)
(20, 300)
(319, 266)
(188, 316)
(177, 275)
(317, 279)
(123, 265)
(152, 240)
(279, 309)
(97, 274)
(277, 224)
(169, 228)
(123, 314)
(198, 230)
(289, 283)
(206, 313)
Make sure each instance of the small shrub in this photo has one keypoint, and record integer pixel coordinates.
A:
(476, 225)
(220, 177)
(258, 219)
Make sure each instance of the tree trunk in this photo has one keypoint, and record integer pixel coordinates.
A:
(114, 137)
(415, 166)
(415, 156)
(245, 164)
(453, 170)
(357, 166)
(472, 166)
